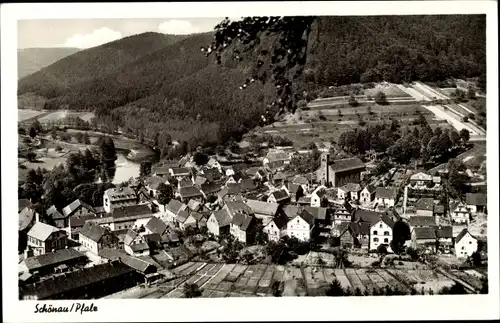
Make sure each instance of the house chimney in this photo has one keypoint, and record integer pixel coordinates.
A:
(37, 217)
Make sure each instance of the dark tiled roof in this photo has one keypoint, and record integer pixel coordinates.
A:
(242, 221)
(182, 216)
(293, 188)
(121, 193)
(234, 189)
(425, 204)
(223, 192)
(444, 232)
(261, 207)
(54, 213)
(93, 231)
(180, 171)
(351, 187)
(299, 179)
(25, 218)
(425, 233)
(342, 165)
(321, 192)
(139, 247)
(73, 280)
(280, 221)
(439, 209)
(156, 225)
(79, 221)
(462, 234)
(317, 212)
(129, 237)
(210, 188)
(476, 199)
(23, 203)
(191, 191)
(370, 188)
(280, 195)
(386, 193)
(174, 206)
(131, 210)
(52, 258)
(248, 184)
(387, 220)
(291, 210)
(223, 218)
(366, 216)
(308, 217)
(69, 209)
(424, 221)
(234, 207)
(197, 216)
(133, 262)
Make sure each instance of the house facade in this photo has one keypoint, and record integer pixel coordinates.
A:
(95, 238)
(385, 197)
(339, 172)
(349, 191)
(476, 202)
(367, 195)
(465, 244)
(118, 197)
(301, 226)
(43, 238)
(276, 228)
(218, 222)
(459, 212)
(381, 234)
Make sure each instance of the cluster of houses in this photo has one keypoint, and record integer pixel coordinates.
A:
(237, 200)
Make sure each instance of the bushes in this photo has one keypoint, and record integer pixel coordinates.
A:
(381, 98)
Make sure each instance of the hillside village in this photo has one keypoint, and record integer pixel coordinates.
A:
(325, 165)
(221, 212)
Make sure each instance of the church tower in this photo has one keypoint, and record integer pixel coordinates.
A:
(325, 176)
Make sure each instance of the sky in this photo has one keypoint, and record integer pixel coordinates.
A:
(86, 33)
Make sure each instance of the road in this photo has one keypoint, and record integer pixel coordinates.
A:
(422, 92)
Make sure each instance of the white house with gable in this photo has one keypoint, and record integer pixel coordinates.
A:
(301, 226)
(465, 244)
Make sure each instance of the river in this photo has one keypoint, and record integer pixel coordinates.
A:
(127, 165)
(125, 168)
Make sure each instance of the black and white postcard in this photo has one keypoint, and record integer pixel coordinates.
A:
(250, 161)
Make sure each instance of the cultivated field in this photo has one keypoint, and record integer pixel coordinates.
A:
(25, 114)
(237, 280)
(61, 114)
(326, 125)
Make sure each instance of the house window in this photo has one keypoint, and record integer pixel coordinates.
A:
(386, 240)
(375, 232)
(386, 233)
(375, 239)
(463, 247)
(470, 242)
(380, 224)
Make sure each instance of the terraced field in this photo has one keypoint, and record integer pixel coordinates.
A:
(237, 280)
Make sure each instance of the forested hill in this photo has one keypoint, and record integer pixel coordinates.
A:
(397, 48)
(65, 74)
(174, 89)
(31, 60)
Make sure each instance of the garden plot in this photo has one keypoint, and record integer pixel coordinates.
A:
(472, 280)
(26, 114)
(390, 90)
(342, 278)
